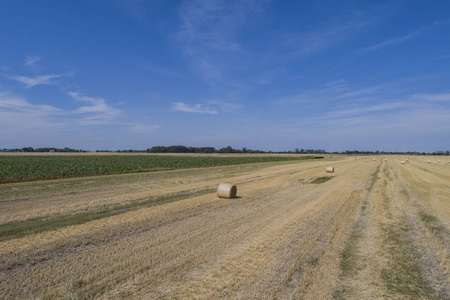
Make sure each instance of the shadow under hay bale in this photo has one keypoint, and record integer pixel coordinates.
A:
(227, 190)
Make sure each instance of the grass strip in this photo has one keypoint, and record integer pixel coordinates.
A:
(322, 179)
(19, 229)
(434, 225)
(350, 261)
(374, 177)
(404, 276)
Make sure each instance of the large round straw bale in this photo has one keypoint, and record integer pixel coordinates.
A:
(226, 190)
(403, 162)
(330, 169)
(429, 161)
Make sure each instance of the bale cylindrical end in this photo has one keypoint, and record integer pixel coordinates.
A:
(330, 169)
(226, 190)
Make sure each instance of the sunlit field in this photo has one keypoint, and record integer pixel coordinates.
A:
(375, 228)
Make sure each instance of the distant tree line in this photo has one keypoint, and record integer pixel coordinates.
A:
(31, 149)
(439, 152)
(228, 149)
(184, 149)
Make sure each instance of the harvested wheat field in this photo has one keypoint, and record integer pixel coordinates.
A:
(373, 229)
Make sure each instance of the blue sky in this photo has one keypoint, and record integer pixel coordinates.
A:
(269, 75)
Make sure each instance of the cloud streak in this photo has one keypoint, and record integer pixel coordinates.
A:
(327, 34)
(47, 125)
(30, 82)
(433, 97)
(197, 108)
(209, 32)
(31, 60)
(365, 110)
(19, 105)
(404, 38)
(99, 112)
(144, 129)
(391, 42)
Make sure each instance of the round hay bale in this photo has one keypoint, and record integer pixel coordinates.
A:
(403, 162)
(429, 161)
(330, 169)
(226, 190)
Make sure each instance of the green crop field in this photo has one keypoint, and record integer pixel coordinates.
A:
(27, 168)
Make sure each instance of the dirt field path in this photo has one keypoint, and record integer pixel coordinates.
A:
(375, 230)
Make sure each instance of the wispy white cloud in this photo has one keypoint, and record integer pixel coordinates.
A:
(213, 24)
(391, 42)
(329, 91)
(137, 9)
(210, 29)
(10, 103)
(31, 60)
(362, 92)
(339, 90)
(144, 129)
(433, 97)
(396, 126)
(99, 112)
(29, 124)
(367, 109)
(33, 81)
(327, 34)
(43, 125)
(338, 114)
(405, 121)
(224, 105)
(163, 71)
(207, 107)
(404, 38)
(197, 108)
(442, 57)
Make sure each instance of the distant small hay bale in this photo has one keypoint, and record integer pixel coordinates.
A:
(226, 190)
(373, 159)
(402, 162)
(385, 159)
(330, 169)
(429, 161)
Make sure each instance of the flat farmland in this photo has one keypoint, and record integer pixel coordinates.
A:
(373, 229)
